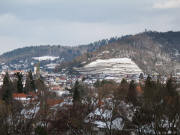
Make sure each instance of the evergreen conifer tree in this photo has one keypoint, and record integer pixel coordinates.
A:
(141, 76)
(149, 88)
(30, 83)
(76, 92)
(7, 88)
(132, 94)
(170, 89)
(19, 82)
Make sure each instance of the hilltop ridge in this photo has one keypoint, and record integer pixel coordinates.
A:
(151, 51)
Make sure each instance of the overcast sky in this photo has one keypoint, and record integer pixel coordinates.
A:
(73, 22)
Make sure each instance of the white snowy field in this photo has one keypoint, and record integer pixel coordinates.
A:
(51, 66)
(122, 66)
(42, 58)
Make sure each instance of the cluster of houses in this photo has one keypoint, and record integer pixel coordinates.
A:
(59, 83)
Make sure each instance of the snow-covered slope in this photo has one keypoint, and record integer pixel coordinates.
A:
(45, 58)
(113, 66)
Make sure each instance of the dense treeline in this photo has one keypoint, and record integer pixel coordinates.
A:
(146, 108)
(66, 52)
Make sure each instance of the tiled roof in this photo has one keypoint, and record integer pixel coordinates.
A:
(139, 89)
(53, 102)
(19, 95)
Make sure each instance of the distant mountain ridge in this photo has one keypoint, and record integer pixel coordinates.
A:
(55, 50)
(151, 51)
(66, 53)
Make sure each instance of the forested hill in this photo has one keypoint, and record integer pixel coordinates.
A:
(151, 51)
(66, 53)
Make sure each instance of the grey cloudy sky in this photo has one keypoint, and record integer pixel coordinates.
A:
(73, 22)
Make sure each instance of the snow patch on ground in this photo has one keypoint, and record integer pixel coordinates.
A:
(43, 58)
(60, 93)
(51, 66)
(117, 124)
(30, 113)
(113, 66)
(104, 121)
(99, 62)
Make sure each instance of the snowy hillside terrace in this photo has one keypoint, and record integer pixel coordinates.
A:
(111, 67)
